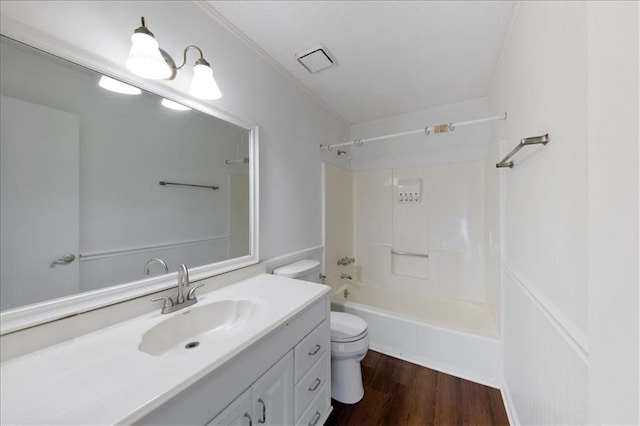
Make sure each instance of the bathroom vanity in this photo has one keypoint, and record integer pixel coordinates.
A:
(253, 352)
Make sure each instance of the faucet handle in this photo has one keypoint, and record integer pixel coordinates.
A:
(168, 302)
(192, 292)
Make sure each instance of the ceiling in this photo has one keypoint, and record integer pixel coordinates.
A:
(392, 57)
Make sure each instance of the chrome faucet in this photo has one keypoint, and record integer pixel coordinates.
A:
(181, 301)
(183, 282)
(147, 266)
(344, 276)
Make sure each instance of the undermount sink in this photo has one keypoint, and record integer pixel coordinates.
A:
(186, 329)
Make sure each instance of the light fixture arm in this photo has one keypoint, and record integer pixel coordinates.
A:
(200, 61)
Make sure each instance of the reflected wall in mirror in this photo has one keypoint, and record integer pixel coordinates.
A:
(82, 207)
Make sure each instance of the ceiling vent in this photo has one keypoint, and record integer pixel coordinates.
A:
(316, 59)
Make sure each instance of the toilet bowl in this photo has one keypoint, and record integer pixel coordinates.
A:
(349, 339)
(349, 345)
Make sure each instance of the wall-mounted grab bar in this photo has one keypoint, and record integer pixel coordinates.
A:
(407, 253)
(544, 139)
(163, 183)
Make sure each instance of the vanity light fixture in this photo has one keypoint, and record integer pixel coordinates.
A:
(174, 105)
(112, 85)
(146, 59)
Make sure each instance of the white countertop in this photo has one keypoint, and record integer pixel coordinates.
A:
(102, 377)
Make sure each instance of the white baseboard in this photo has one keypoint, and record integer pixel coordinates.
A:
(508, 405)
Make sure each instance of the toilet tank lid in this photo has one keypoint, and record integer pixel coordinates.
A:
(297, 269)
(346, 325)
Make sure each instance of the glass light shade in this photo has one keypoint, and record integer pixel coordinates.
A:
(203, 85)
(145, 59)
(174, 105)
(112, 85)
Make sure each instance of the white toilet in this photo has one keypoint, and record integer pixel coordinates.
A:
(349, 339)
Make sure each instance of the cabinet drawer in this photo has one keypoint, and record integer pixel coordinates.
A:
(316, 413)
(311, 384)
(310, 349)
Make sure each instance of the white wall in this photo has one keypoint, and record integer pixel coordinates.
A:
(614, 181)
(463, 144)
(565, 203)
(292, 123)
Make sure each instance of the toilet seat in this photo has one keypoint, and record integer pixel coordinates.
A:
(347, 327)
(349, 339)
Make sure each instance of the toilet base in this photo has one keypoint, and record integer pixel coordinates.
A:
(346, 380)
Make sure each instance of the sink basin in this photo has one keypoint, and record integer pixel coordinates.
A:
(186, 329)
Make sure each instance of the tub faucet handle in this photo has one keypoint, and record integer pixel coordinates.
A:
(344, 276)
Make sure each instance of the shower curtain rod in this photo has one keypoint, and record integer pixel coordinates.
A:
(439, 128)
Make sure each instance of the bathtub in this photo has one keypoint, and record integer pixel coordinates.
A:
(455, 337)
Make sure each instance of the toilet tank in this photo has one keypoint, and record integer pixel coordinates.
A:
(306, 270)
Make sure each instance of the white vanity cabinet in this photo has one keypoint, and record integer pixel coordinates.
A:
(281, 379)
(271, 363)
(269, 401)
(312, 358)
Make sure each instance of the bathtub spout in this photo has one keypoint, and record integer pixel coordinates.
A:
(346, 293)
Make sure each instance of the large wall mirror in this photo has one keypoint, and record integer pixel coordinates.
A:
(97, 184)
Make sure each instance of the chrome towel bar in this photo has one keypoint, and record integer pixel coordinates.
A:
(407, 253)
(544, 139)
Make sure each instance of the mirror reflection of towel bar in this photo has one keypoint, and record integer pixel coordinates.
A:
(406, 253)
(163, 183)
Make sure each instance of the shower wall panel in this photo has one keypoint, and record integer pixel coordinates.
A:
(448, 225)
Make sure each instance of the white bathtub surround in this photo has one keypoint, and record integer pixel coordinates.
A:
(410, 220)
(454, 337)
(446, 226)
(102, 378)
(337, 212)
(462, 316)
(433, 311)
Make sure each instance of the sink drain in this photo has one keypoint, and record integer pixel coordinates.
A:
(192, 345)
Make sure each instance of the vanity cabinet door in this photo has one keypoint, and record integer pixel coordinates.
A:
(273, 394)
(237, 413)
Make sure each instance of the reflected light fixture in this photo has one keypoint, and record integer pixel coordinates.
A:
(118, 86)
(174, 105)
(147, 60)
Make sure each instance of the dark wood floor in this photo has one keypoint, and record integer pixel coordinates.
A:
(397, 392)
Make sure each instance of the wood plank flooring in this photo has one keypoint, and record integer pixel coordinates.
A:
(397, 392)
